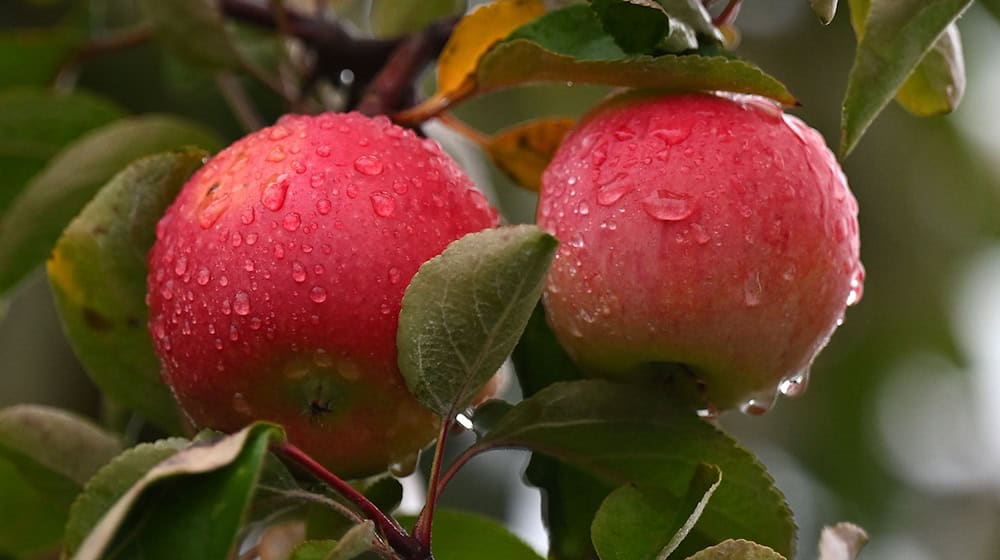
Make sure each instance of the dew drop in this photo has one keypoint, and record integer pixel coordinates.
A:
(368, 165)
(248, 265)
(752, 289)
(701, 236)
(203, 276)
(248, 216)
(383, 204)
(613, 190)
(385, 309)
(211, 212)
(794, 385)
(323, 206)
(351, 191)
(298, 272)
(276, 155)
(317, 294)
(583, 208)
(323, 151)
(256, 323)
(252, 238)
(278, 132)
(668, 206)
(234, 332)
(236, 240)
(298, 167)
(241, 303)
(672, 135)
(180, 267)
(274, 193)
(404, 467)
(223, 280)
(317, 180)
(400, 186)
(394, 275)
(857, 286)
(318, 269)
(279, 251)
(291, 221)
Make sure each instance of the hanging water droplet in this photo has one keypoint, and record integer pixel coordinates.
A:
(404, 467)
(241, 303)
(298, 272)
(752, 289)
(383, 204)
(291, 221)
(668, 206)
(857, 286)
(368, 165)
(274, 193)
(794, 385)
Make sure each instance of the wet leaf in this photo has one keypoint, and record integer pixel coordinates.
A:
(737, 550)
(46, 456)
(391, 17)
(524, 151)
(55, 195)
(937, 84)
(638, 26)
(842, 541)
(634, 523)
(111, 482)
(209, 485)
(824, 10)
(464, 310)
(97, 271)
(35, 124)
(195, 30)
(473, 37)
(894, 38)
(635, 434)
(520, 61)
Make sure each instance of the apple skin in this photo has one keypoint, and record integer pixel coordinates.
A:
(275, 283)
(710, 234)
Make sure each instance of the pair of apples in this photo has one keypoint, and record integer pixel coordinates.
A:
(707, 234)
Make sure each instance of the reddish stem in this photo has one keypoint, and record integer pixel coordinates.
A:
(396, 536)
(728, 14)
(422, 528)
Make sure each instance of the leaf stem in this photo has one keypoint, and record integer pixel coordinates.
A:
(396, 536)
(422, 528)
(728, 14)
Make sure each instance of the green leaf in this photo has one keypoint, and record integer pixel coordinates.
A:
(693, 14)
(46, 455)
(574, 31)
(633, 523)
(464, 310)
(391, 17)
(896, 36)
(314, 550)
(824, 10)
(842, 541)
(636, 434)
(192, 504)
(33, 56)
(938, 83)
(35, 124)
(195, 30)
(520, 61)
(37, 216)
(355, 542)
(638, 26)
(110, 483)
(460, 535)
(737, 550)
(97, 271)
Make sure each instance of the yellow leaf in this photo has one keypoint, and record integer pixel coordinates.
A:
(524, 151)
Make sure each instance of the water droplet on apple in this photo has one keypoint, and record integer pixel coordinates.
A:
(277, 132)
(752, 289)
(323, 206)
(241, 303)
(210, 213)
(612, 191)
(317, 294)
(274, 193)
(583, 208)
(298, 167)
(203, 276)
(369, 165)
(240, 404)
(291, 221)
(323, 151)
(180, 266)
(276, 155)
(248, 216)
(298, 272)
(668, 206)
(857, 286)
(672, 135)
(252, 238)
(394, 275)
(383, 204)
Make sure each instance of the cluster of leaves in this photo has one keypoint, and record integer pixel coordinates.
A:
(627, 472)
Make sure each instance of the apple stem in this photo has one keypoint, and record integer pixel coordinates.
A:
(422, 528)
(409, 547)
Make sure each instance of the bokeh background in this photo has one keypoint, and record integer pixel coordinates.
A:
(900, 429)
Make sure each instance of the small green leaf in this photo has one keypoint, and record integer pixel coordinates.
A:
(737, 550)
(110, 483)
(460, 535)
(35, 124)
(97, 271)
(464, 310)
(195, 30)
(314, 550)
(46, 455)
(635, 523)
(35, 219)
(520, 61)
(824, 10)
(842, 541)
(33, 56)
(194, 505)
(390, 18)
(638, 26)
(637, 434)
(693, 14)
(575, 31)
(896, 36)
(355, 542)
(938, 83)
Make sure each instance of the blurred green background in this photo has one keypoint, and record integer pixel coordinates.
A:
(900, 429)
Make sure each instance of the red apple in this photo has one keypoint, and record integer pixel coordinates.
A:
(276, 279)
(711, 233)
